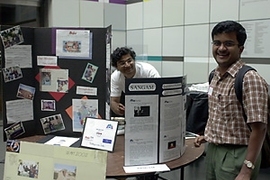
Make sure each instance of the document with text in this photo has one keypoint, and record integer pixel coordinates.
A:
(155, 120)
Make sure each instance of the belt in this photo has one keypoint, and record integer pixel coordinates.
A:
(230, 145)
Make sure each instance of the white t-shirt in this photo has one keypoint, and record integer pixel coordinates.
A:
(143, 70)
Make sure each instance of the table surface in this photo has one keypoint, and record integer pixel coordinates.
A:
(115, 160)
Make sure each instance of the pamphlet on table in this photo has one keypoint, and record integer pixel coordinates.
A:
(99, 134)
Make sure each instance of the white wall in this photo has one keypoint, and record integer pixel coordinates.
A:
(185, 32)
(173, 35)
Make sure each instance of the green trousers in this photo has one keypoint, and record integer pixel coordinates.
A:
(224, 162)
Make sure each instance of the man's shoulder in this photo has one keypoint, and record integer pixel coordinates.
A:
(251, 73)
(144, 69)
(144, 65)
(116, 75)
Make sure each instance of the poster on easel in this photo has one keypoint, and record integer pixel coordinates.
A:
(155, 115)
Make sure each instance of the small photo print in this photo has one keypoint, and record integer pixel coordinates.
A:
(172, 145)
(90, 72)
(26, 92)
(45, 78)
(15, 130)
(13, 146)
(52, 123)
(141, 111)
(12, 73)
(48, 105)
(64, 171)
(81, 109)
(28, 169)
(12, 36)
(62, 85)
(72, 46)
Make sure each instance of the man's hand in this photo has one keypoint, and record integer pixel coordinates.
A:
(116, 106)
(244, 175)
(121, 109)
(199, 140)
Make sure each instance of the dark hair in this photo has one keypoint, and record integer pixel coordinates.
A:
(119, 52)
(228, 27)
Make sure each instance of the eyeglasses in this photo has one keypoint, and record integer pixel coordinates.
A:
(227, 44)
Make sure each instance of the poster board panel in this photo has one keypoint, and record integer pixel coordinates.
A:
(41, 161)
(61, 101)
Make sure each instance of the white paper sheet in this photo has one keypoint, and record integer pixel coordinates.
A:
(62, 141)
(19, 110)
(19, 55)
(54, 80)
(83, 90)
(146, 168)
(142, 133)
(73, 43)
(46, 60)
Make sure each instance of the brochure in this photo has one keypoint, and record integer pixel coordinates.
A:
(99, 134)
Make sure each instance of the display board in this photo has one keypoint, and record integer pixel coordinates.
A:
(26, 160)
(53, 78)
(156, 125)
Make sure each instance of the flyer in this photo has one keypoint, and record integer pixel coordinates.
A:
(99, 134)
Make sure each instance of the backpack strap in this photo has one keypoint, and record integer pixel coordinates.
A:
(211, 75)
(238, 85)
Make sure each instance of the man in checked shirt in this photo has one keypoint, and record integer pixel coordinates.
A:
(233, 146)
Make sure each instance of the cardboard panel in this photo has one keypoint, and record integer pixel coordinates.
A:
(43, 43)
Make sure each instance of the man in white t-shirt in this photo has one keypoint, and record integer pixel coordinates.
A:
(123, 59)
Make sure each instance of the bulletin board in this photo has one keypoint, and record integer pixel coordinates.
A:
(53, 78)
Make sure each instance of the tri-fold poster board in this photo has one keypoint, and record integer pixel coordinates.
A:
(156, 122)
(53, 78)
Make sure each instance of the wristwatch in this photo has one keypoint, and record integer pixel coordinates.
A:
(249, 164)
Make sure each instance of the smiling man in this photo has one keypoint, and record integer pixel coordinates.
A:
(234, 144)
(123, 59)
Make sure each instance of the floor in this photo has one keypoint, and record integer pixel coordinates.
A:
(195, 171)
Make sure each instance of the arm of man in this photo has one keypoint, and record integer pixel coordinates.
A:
(116, 106)
(199, 140)
(256, 100)
(254, 148)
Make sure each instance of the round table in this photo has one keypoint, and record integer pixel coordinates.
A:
(115, 159)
